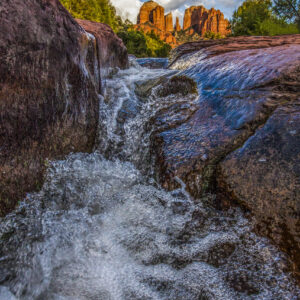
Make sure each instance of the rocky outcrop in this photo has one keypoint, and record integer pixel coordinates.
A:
(158, 18)
(111, 51)
(49, 86)
(201, 20)
(243, 141)
(146, 12)
(177, 25)
(152, 19)
(197, 21)
(153, 13)
(169, 22)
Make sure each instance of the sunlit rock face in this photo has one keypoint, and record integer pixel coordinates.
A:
(146, 12)
(169, 22)
(50, 81)
(202, 20)
(177, 25)
(243, 141)
(197, 21)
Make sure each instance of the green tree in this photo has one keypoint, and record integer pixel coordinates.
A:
(288, 10)
(247, 18)
(256, 17)
(94, 10)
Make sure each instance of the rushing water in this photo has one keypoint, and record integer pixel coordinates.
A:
(101, 228)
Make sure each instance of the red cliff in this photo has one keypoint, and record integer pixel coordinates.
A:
(177, 25)
(169, 22)
(200, 20)
(152, 18)
(197, 20)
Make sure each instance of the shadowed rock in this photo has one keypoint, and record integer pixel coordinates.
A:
(49, 86)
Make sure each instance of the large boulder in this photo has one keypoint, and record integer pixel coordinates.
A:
(264, 176)
(49, 86)
(249, 100)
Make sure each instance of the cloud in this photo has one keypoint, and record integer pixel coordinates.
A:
(127, 9)
(130, 8)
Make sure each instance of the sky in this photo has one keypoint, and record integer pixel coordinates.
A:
(130, 8)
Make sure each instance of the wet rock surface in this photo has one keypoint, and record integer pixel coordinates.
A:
(249, 100)
(217, 47)
(111, 50)
(264, 176)
(49, 86)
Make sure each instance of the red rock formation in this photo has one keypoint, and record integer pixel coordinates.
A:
(177, 25)
(197, 19)
(169, 22)
(146, 10)
(203, 20)
(158, 18)
(152, 18)
(153, 13)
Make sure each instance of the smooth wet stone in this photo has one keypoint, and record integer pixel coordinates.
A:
(242, 94)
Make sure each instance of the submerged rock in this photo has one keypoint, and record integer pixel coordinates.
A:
(49, 86)
(153, 63)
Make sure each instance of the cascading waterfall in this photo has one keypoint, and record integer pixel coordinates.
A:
(102, 228)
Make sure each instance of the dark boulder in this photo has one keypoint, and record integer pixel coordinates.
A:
(49, 86)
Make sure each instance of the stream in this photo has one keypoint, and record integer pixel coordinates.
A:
(102, 228)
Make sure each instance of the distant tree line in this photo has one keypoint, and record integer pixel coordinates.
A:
(264, 17)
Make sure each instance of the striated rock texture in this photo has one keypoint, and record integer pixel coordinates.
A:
(177, 25)
(157, 17)
(201, 20)
(243, 142)
(49, 86)
(169, 22)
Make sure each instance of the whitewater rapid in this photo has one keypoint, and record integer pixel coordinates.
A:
(102, 228)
